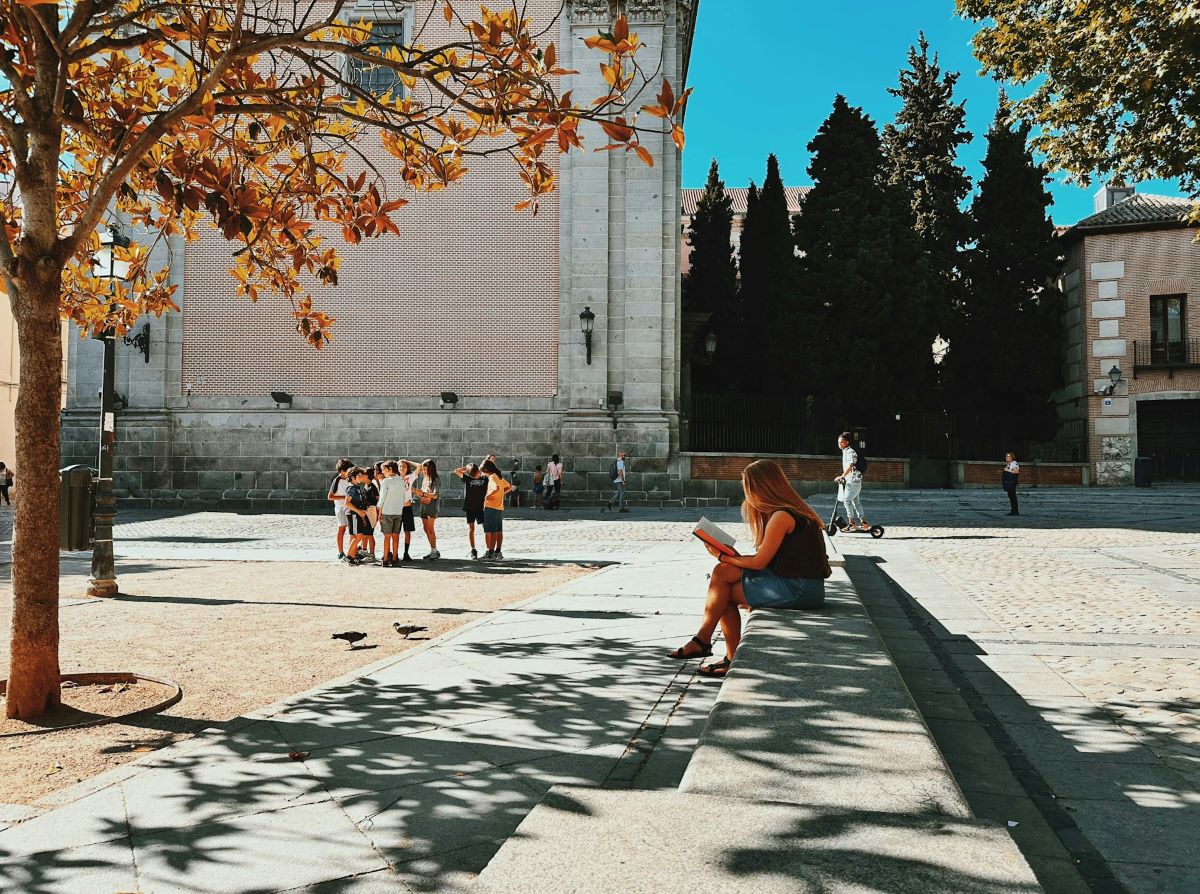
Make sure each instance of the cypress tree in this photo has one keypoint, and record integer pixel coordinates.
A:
(711, 282)
(861, 318)
(768, 266)
(921, 148)
(1006, 352)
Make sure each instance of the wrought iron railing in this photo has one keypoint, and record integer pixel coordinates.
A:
(1181, 352)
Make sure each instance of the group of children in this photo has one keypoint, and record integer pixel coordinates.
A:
(387, 496)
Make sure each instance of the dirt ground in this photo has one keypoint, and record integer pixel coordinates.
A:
(237, 636)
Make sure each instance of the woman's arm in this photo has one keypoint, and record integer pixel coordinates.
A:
(778, 526)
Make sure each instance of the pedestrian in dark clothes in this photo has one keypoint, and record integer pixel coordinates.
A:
(1008, 481)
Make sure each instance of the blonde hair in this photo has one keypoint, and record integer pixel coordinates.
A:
(768, 491)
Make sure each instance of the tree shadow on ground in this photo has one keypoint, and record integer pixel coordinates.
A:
(1085, 767)
(436, 770)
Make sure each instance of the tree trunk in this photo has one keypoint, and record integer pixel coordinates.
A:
(33, 677)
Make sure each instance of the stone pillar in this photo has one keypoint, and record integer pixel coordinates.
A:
(620, 256)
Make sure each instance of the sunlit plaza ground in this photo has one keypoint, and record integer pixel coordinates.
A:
(1052, 656)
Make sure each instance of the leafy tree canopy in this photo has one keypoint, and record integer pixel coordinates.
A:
(1114, 81)
(252, 116)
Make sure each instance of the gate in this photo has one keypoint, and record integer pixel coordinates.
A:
(1169, 433)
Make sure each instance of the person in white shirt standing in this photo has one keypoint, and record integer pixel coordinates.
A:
(337, 495)
(1008, 481)
(850, 485)
(618, 479)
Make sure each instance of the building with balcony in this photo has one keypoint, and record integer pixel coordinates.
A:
(1131, 279)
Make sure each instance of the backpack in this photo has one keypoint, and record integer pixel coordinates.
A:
(861, 464)
(612, 471)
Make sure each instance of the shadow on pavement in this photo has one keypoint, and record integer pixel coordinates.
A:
(1086, 800)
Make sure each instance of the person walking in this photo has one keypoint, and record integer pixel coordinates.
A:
(427, 492)
(1008, 481)
(850, 485)
(6, 481)
(617, 471)
(493, 509)
(475, 488)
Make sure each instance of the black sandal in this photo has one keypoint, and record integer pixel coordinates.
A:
(716, 669)
(705, 650)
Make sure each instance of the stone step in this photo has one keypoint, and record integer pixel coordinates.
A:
(594, 841)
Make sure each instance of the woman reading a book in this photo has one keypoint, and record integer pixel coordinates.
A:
(788, 570)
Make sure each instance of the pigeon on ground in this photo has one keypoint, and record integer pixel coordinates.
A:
(350, 636)
(408, 629)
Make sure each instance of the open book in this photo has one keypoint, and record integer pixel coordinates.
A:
(715, 537)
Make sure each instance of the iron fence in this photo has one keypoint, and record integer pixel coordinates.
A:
(1180, 352)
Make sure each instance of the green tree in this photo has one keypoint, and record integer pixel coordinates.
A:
(711, 283)
(861, 324)
(1006, 350)
(768, 264)
(921, 148)
(1115, 81)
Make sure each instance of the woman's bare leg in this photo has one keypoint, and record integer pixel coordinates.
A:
(721, 597)
(731, 627)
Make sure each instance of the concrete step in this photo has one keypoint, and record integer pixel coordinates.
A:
(593, 841)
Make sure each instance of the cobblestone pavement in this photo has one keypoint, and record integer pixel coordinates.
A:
(1079, 625)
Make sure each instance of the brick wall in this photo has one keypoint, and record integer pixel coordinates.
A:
(797, 468)
(987, 474)
(1121, 271)
(464, 299)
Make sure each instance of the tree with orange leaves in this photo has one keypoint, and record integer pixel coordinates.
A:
(239, 114)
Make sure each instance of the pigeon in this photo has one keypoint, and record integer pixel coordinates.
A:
(408, 629)
(350, 636)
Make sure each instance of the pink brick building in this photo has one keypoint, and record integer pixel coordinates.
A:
(1132, 284)
(471, 298)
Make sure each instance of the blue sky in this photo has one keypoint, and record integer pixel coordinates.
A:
(766, 73)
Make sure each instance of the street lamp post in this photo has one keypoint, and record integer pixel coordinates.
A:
(103, 581)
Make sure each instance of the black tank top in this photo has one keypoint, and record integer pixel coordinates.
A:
(802, 552)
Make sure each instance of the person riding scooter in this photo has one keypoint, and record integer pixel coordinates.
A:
(850, 486)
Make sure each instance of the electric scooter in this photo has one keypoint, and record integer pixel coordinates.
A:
(837, 523)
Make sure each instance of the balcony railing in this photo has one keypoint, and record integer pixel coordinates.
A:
(1166, 355)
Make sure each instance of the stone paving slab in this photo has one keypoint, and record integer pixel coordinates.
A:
(408, 774)
(733, 845)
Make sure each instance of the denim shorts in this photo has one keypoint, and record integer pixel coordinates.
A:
(766, 589)
(493, 520)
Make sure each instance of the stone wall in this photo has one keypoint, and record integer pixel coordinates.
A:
(284, 460)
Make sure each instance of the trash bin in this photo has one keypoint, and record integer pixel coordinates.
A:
(75, 494)
(1141, 472)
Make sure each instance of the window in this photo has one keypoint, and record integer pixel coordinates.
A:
(1167, 344)
(377, 79)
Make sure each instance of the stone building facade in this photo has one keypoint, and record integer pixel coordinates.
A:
(472, 298)
(1132, 284)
